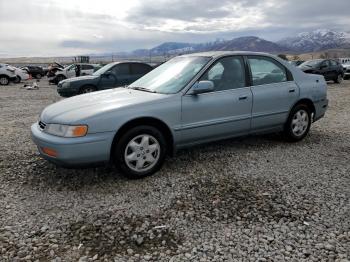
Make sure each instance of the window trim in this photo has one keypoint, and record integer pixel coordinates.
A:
(211, 66)
(287, 71)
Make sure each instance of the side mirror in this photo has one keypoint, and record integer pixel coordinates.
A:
(108, 75)
(202, 87)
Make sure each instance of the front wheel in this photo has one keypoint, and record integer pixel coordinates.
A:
(298, 123)
(4, 80)
(140, 152)
(38, 76)
(87, 89)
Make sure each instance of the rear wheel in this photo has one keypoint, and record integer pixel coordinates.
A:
(4, 80)
(298, 123)
(140, 151)
(339, 79)
(38, 76)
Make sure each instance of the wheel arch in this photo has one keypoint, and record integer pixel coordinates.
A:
(306, 101)
(149, 121)
(3, 75)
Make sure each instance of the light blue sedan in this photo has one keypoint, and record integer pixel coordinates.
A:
(189, 100)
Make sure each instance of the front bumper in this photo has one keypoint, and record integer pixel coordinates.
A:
(74, 152)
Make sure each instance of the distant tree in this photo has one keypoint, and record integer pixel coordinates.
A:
(283, 56)
(323, 56)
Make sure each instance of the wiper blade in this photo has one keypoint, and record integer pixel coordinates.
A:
(142, 89)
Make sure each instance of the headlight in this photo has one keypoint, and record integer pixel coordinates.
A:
(66, 130)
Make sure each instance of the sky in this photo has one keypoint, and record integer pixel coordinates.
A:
(73, 27)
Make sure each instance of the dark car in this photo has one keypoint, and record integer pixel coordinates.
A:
(110, 76)
(36, 71)
(331, 70)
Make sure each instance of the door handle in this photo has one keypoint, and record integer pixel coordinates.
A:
(291, 90)
(243, 97)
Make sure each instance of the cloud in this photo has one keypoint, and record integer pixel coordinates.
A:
(71, 27)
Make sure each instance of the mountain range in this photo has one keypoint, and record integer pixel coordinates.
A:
(314, 41)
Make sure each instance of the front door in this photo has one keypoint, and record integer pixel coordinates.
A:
(225, 112)
(117, 76)
(274, 92)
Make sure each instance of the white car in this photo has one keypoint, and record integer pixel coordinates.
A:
(7, 74)
(71, 71)
(346, 68)
(20, 75)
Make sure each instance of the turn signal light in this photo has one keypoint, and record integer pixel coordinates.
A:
(49, 151)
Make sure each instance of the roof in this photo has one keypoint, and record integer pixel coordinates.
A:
(224, 53)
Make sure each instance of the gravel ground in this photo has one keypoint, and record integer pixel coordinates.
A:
(248, 199)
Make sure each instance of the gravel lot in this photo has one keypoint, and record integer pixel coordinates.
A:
(248, 199)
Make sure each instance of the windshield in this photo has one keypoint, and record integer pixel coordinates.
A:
(311, 63)
(103, 70)
(172, 76)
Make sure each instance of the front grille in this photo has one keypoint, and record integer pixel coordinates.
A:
(42, 125)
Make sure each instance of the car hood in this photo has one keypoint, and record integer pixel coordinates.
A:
(79, 108)
(80, 78)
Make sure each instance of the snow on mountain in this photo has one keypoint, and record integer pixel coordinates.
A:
(317, 40)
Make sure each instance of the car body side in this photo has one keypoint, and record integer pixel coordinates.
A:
(165, 110)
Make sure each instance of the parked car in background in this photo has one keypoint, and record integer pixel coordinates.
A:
(7, 74)
(35, 71)
(189, 100)
(112, 75)
(296, 62)
(21, 74)
(346, 68)
(73, 70)
(331, 70)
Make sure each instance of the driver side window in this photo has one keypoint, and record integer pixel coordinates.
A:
(226, 73)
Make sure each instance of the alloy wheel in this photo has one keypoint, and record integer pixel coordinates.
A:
(142, 153)
(4, 81)
(300, 122)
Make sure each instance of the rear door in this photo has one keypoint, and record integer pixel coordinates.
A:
(326, 70)
(274, 92)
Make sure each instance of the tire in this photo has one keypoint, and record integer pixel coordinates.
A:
(298, 124)
(38, 76)
(4, 80)
(18, 80)
(146, 148)
(87, 89)
(339, 79)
